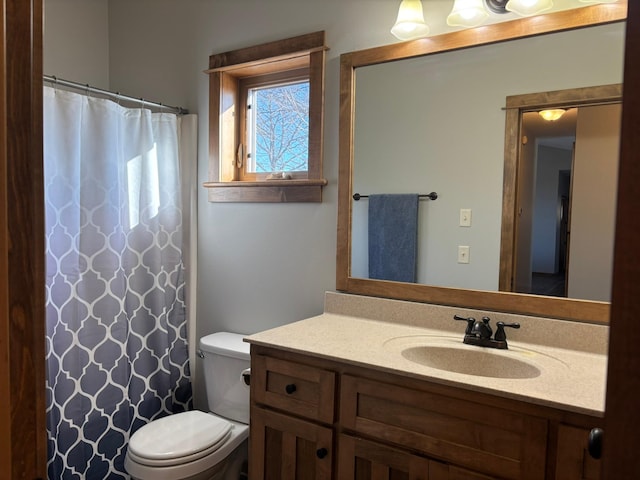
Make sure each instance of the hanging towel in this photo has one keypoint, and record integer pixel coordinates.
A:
(393, 237)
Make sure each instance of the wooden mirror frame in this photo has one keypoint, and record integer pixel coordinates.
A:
(570, 309)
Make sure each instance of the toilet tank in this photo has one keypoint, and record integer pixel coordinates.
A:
(225, 357)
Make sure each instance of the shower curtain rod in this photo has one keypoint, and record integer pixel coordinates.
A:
(114, 95)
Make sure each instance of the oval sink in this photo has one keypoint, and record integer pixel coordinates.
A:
(478, 362)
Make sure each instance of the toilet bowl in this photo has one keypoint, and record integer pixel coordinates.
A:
(198, 445)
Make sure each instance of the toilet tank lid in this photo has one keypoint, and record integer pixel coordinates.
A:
(227, 344)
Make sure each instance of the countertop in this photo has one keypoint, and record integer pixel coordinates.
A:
(568, 379)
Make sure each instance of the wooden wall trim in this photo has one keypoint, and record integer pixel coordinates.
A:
(5, 412)
(622, 417)
(22, 282)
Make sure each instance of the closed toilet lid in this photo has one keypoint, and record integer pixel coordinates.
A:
(179, 435)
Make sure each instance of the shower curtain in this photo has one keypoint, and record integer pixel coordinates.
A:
(117, 353)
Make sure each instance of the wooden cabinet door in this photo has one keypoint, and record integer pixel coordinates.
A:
(442, 471)
(361, 459)
(286, 448)
(364, 460)
(573, 461)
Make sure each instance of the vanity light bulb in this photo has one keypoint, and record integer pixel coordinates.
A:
(410, 22)
(528, 7)
(467, 13)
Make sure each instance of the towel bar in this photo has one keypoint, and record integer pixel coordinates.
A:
(430, 196)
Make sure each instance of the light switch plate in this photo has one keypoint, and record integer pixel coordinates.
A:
(465, 217)
(463, 254)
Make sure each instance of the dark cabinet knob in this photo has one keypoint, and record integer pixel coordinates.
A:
(291, 388)
(594, 445)
(321, 453)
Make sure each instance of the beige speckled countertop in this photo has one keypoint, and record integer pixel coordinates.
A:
(566, 377)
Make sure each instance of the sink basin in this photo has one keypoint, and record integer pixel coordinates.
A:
(447, 353)
(480, 362)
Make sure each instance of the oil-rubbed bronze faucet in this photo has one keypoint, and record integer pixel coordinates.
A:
(478, 332)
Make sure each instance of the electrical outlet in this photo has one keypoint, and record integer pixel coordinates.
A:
(463, 254)
(465, 217)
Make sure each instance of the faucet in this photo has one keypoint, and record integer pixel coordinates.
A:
(478, 332)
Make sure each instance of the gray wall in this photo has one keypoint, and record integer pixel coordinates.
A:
(524, 216)
(76, 40)
(546, 220)
(594, 202)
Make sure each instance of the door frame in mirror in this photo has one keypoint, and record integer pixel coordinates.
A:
(516, 105)
(581, 310)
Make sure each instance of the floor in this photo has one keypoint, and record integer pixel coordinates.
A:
(551, 285)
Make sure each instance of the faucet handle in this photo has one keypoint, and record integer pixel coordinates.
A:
(500, 335)
(470, 322)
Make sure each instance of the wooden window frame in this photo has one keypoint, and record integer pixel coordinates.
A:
(226, 73)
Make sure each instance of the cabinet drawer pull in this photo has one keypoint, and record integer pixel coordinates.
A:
(291, 388)
(321, 453)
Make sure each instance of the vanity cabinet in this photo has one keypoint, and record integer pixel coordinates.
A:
(319, 419)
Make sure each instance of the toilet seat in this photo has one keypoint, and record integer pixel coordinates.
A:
(178, 439)
(193, 467)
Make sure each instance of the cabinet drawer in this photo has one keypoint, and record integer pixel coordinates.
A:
(294, 388)
(488, 440)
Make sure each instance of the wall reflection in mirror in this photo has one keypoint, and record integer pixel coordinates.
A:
(437, 123)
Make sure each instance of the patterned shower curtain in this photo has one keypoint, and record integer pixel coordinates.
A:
(116, 324)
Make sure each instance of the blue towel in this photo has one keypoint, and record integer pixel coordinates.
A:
(393, 237)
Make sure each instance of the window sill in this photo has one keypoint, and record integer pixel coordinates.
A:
(267, 191)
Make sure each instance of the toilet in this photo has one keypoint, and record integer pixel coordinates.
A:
(196, 445)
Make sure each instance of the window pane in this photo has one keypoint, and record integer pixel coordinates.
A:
(278, 128)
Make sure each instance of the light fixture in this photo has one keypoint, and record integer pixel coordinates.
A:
(410, 22)
(528, 7)
(598, 1)
(552, 115)
(467, 13)
(496, 6)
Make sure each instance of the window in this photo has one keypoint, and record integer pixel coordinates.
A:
(266, 121)
(275, 134)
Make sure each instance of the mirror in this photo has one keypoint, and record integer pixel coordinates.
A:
(438, 84)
